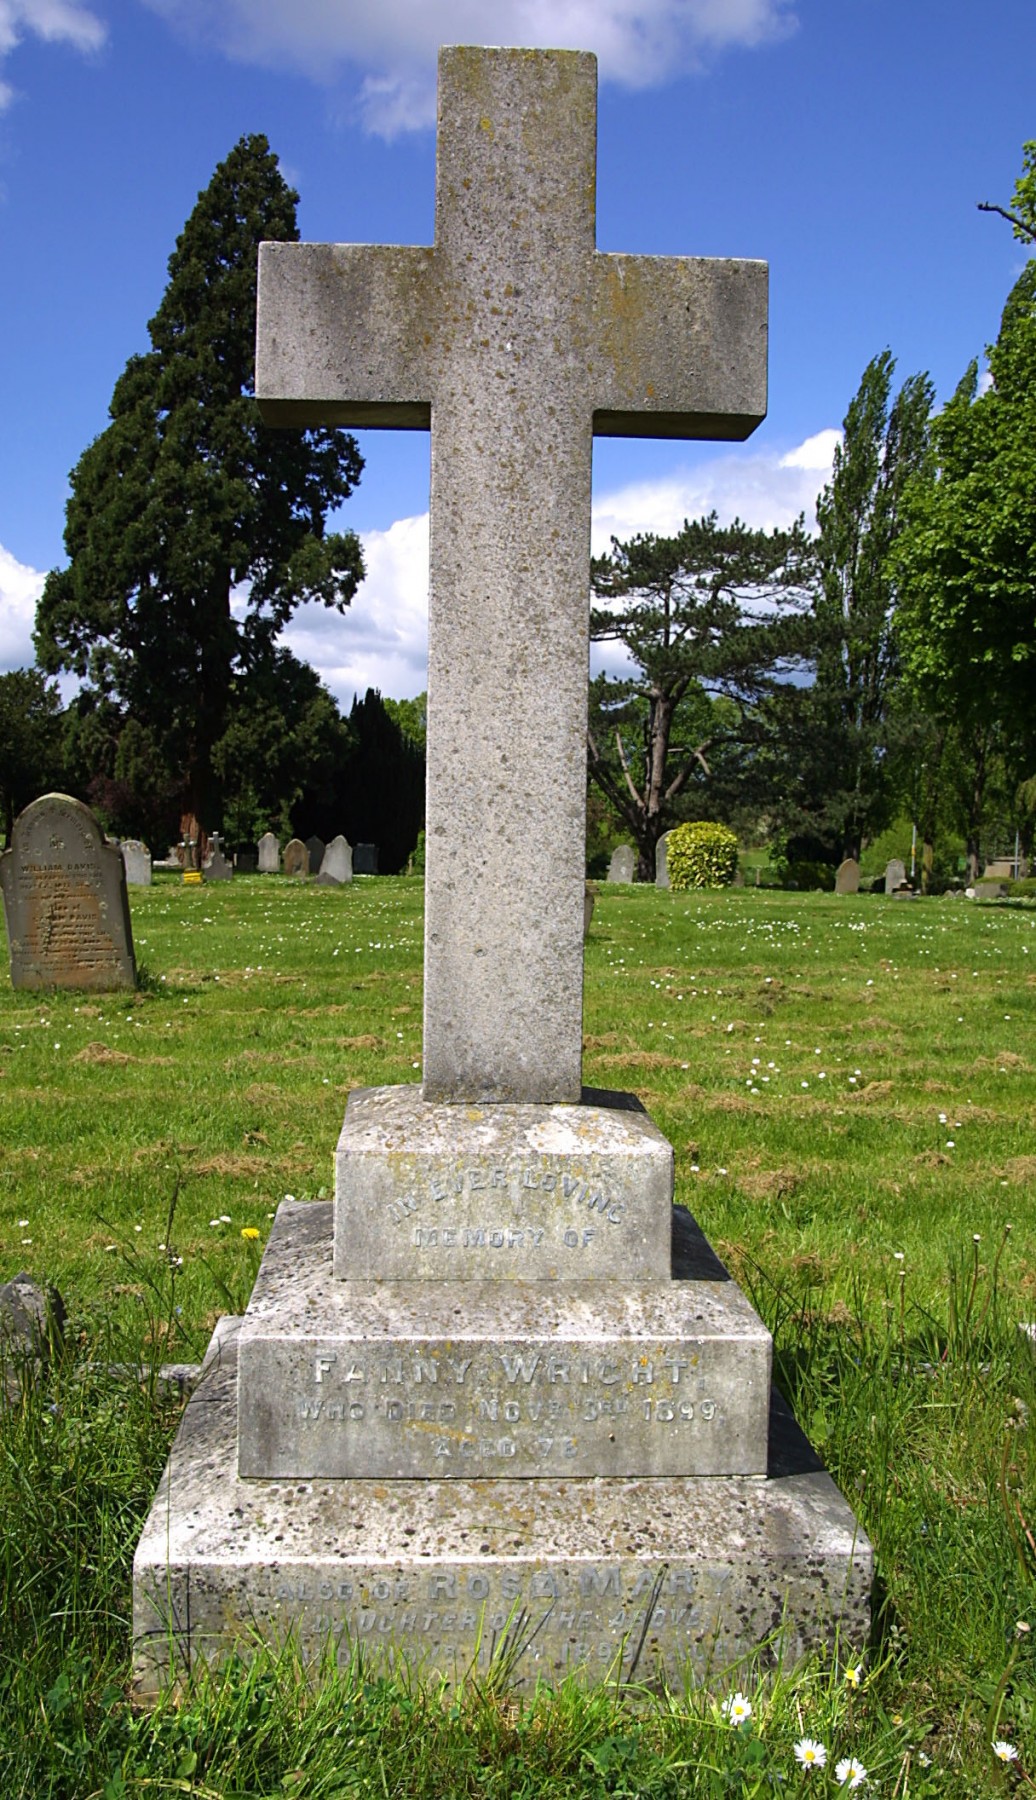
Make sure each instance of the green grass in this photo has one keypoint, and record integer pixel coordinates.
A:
(140, 1135)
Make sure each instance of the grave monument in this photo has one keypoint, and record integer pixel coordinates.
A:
(296, 858)
(65, 901)
(336, 865)
(137, 859)
(623, 864)
(269, 854)
(847, 876)
(499, 1392)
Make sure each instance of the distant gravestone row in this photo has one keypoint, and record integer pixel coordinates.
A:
(333, 864)
(65, 901)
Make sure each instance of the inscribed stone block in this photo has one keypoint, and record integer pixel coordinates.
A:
(365, 859)
(704, 1569)
(425, 1190)
(64, 892)
(451, 1379)
(847, 877)
(316, 847)
(662, 862)
(895, 875)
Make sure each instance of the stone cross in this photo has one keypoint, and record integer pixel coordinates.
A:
(513, 340)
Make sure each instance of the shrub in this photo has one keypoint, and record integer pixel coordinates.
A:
(701, 855)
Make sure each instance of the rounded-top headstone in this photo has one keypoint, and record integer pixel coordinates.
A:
(895, 875)
(137, 859)
(662, 862)
(623, 863)
(296, 858)
(337, 864)
(64, 892)
(269, 854)
(847, 877)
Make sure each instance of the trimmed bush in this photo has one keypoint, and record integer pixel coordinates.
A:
(701, 855)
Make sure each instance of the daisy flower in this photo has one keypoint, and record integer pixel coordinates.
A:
(737, 1709)
(850, 1771)
(810, 1753)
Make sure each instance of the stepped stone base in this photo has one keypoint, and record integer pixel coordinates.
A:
(560, 1575)
(454, 1379)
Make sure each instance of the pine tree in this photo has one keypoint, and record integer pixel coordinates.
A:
(187, 502)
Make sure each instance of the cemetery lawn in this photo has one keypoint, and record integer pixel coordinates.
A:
(850, 1087)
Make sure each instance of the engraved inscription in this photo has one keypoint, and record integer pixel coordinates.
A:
(559, 1188)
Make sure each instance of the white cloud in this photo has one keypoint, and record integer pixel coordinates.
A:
(392, 45)
(20, 588)
(55, 21)
(382, 641)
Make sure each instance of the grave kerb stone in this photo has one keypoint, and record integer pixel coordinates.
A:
(559, 342)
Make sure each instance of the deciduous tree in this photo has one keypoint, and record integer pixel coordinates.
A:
(711, 620)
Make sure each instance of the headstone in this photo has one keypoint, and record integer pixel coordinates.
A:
(246, 861)
(365, 859)
(1000, 869)
(895, 875)
(217, 866)
(269, 854)
(483, 1385)
(316, 847)
(337, 864)
(623, 863)
(847, 877)
(65, 902)
(32, 1324)
(662, 862)
(990, 890)
(136, 859)
(296, 858)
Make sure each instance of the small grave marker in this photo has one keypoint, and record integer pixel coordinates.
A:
(623, 863)
(137, 860)
(337, 864)
(847, 877)
(296, 858)
(269, 854)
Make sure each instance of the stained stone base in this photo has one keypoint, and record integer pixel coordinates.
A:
(432, 1191)
(584, 1575)
(460, 1379)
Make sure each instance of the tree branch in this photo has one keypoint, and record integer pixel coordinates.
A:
(678, 782)
(625, 766)
(1012, 219)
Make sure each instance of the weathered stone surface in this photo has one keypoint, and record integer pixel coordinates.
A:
(437, 1571)
(623, 863)
(136, 858)
(847, 876)
(662, 862)
(365, 859)
(450, 1379)
(217, 866)
(557, 342)
(589, 902)
(432, 1192)
(316, 847)
(64, 892)
(296, 858)
(895, 875)
(336, 865)
(32, 1325)
(246, 861)
(990, 890)
(269, 854)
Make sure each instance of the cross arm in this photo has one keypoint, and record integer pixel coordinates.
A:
(679, 346)
(342, 335)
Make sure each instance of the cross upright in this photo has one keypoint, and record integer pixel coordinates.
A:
(514, 341)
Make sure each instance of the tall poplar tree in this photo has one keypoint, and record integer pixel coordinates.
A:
(187, 502)
(846, 780)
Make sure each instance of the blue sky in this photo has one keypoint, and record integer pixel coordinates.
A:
(846, 141)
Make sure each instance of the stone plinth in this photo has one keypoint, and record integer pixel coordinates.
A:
(706, 1569)
(449, 1379)
(425, 1191)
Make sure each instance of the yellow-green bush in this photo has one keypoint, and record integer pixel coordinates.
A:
(701, 855)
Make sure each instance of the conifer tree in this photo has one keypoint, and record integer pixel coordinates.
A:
(187, 502)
